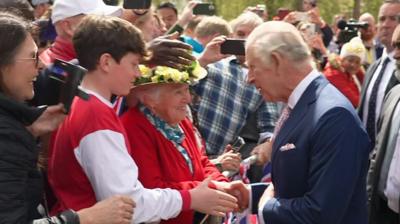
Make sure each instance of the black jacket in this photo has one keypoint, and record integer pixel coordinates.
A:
(20, 180)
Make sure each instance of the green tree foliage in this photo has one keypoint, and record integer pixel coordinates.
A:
(229, 9)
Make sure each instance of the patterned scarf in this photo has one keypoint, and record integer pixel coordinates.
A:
(174, 134)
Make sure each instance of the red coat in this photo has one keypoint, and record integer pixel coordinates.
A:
(160, 164)
(345, 83)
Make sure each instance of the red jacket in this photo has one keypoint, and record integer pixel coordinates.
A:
(160, 164)
(61, 49)
(345, 83)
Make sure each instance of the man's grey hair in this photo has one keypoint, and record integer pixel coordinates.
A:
(280, 37)
(246, 18)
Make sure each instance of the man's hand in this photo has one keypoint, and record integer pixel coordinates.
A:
(229, 160)
(237, 189)
(48, 121)
(168, 51)
(212, 52)
(114, 210)
(209, 201)
(263, 152)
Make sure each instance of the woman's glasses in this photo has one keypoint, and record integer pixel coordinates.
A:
(35, 58)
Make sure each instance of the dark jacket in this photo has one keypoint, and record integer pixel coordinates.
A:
(20, 180)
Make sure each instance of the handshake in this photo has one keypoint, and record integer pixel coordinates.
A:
(228, 197)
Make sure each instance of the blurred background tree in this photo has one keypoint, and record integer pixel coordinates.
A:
(229, 9)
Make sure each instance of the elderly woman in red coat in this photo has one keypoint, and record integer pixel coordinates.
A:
(345, 72)
(164, 143)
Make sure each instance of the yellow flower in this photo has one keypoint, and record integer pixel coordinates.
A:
(185, 76)
(145, 71)
(154, 79)
(176, 76)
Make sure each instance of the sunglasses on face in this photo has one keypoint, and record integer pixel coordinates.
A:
(35, 58)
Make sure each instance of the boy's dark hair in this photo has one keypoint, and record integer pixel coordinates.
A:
(167, 5)
(97, 35)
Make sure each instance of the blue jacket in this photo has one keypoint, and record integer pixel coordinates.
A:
(322, 179)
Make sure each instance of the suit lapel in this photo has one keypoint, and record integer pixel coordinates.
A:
(365, 85)
(299, 111)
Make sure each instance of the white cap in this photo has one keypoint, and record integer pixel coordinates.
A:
(67, 8)
(354, 47)
(38, 2)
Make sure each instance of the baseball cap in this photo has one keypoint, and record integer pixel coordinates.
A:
(67, 8)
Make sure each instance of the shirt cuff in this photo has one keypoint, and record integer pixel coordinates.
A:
(260, 211)
(264, 136)
(186, 200)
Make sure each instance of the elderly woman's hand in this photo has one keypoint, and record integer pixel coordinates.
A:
(229, 160)
(48, 121)
(168, 51)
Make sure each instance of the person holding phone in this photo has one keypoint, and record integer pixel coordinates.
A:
(21, 184)
(228, 106)
(95, 155)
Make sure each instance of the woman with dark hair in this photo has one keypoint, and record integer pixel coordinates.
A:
(20, 181)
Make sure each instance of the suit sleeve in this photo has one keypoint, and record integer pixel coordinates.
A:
(338, 159)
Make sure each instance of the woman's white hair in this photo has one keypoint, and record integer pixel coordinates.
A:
(280, 37)
(151, 92)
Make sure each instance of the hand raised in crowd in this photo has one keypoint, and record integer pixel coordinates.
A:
(210, 201)
(315, 17)
(168, 51)
(187, 14)
(237, 189)
(315, 41)
(212, 51)
(291, 18)
(48, 121)
(114, 210)
(229, 160)
(263, 152)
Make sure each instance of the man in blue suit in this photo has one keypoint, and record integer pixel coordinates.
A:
(319, 149)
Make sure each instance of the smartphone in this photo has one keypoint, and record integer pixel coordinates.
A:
(137, 4)
(233, 46)
(204, 9)
(73, 75)
(237, 144)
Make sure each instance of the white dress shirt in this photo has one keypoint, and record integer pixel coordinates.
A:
(391, 65)
(392, 190)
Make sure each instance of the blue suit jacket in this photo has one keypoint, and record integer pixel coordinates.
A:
(323, 179)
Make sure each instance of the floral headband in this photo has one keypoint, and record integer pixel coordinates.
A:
(162, 74)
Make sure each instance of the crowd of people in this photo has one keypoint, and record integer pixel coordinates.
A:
(152, 134)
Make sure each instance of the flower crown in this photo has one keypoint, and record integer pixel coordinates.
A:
(162, 74)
